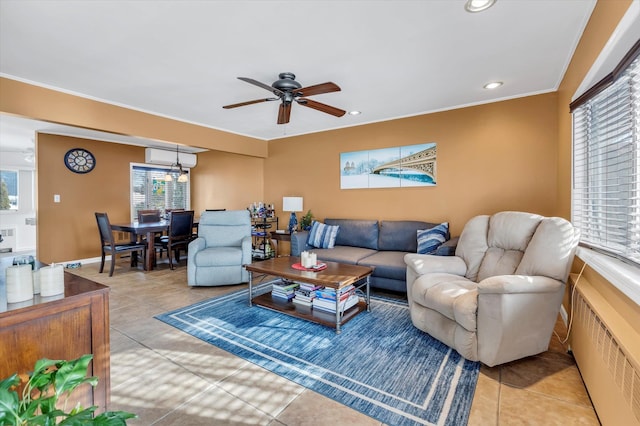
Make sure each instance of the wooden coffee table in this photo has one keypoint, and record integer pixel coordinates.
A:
(336, 276)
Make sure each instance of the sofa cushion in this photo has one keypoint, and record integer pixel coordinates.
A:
(322, 236)
(400, 235)
(387, 264)
(448, 248)
(356, 233)
(343, 254)
(430, 239)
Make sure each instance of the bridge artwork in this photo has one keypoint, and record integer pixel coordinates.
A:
(413, 165)
(423, 162)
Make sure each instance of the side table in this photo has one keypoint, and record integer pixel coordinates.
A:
(276, 238)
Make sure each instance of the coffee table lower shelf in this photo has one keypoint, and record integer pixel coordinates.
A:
(320, 317)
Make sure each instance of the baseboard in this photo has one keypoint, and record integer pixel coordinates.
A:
(83, 261)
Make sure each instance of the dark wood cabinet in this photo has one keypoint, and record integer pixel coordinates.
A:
(59, 327)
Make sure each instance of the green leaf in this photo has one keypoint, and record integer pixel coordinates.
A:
(45, 404)
(9, 404)
(64, 378)
(44, 419)
(43, 364)
(9, 382)
(71, 374)
(84, 417)
(113, 418)
(41, 376)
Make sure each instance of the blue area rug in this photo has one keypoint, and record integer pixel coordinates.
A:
(380, 365)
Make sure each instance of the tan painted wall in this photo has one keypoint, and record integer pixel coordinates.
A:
(493, 157)
(226, 181)
(36, 102)
(68, 230)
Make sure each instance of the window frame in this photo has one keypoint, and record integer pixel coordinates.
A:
(16, 172)
(612, 82)
(163, 170)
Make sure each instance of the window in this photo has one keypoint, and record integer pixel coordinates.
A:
(8, 190)
(606, 162)
(150, 191)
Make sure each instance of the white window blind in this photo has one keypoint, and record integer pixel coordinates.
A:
(150, 191)
(606, 166)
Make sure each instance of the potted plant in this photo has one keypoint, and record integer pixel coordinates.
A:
(306, 221)
(45, 394)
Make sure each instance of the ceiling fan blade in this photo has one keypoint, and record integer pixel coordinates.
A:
(317, 89)
(321, 107)
(284, 113)
(257, 101)
(259, 84)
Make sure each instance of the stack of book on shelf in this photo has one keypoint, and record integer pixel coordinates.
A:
(305, 294)
(284, 291)
(325, 299)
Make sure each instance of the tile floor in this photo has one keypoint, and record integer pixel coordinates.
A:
(170, 378)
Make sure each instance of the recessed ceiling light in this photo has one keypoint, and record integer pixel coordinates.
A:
(493, 85)
(478, 5)
(355, 112)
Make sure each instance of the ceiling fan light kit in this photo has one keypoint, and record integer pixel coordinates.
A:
(288, 90)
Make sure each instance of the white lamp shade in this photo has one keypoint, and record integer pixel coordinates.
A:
(292, 204)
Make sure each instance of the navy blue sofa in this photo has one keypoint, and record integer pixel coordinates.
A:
(379, 244)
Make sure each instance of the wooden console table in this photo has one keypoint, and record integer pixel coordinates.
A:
(58, 327)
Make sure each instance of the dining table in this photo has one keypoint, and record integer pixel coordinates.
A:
(148, 229)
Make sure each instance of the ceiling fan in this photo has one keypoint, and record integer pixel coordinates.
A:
(287, 90)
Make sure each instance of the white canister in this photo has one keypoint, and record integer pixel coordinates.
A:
(19, 280)
(51, 280)
(313, 259)
(304, 259)
(36, 282)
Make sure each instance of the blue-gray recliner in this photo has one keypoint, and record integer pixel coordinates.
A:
(223, 247)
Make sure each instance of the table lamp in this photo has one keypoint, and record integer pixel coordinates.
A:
(293, 205)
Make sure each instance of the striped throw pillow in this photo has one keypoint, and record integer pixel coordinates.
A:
(430, 239)
(322, 236)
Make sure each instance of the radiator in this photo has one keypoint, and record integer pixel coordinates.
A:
(8, 243)
(605, 347)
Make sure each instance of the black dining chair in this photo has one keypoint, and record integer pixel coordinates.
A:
(179, 236)
(109, 245)
(148, 216)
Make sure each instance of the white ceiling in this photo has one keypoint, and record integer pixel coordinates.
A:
(392, 59)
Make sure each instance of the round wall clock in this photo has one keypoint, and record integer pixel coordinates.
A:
(79, 160)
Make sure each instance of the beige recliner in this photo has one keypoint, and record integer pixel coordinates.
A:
(498, 298)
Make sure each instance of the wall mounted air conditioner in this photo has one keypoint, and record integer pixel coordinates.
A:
(167, 158)
(8, 243)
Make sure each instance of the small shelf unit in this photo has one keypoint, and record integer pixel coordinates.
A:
(261, 246)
